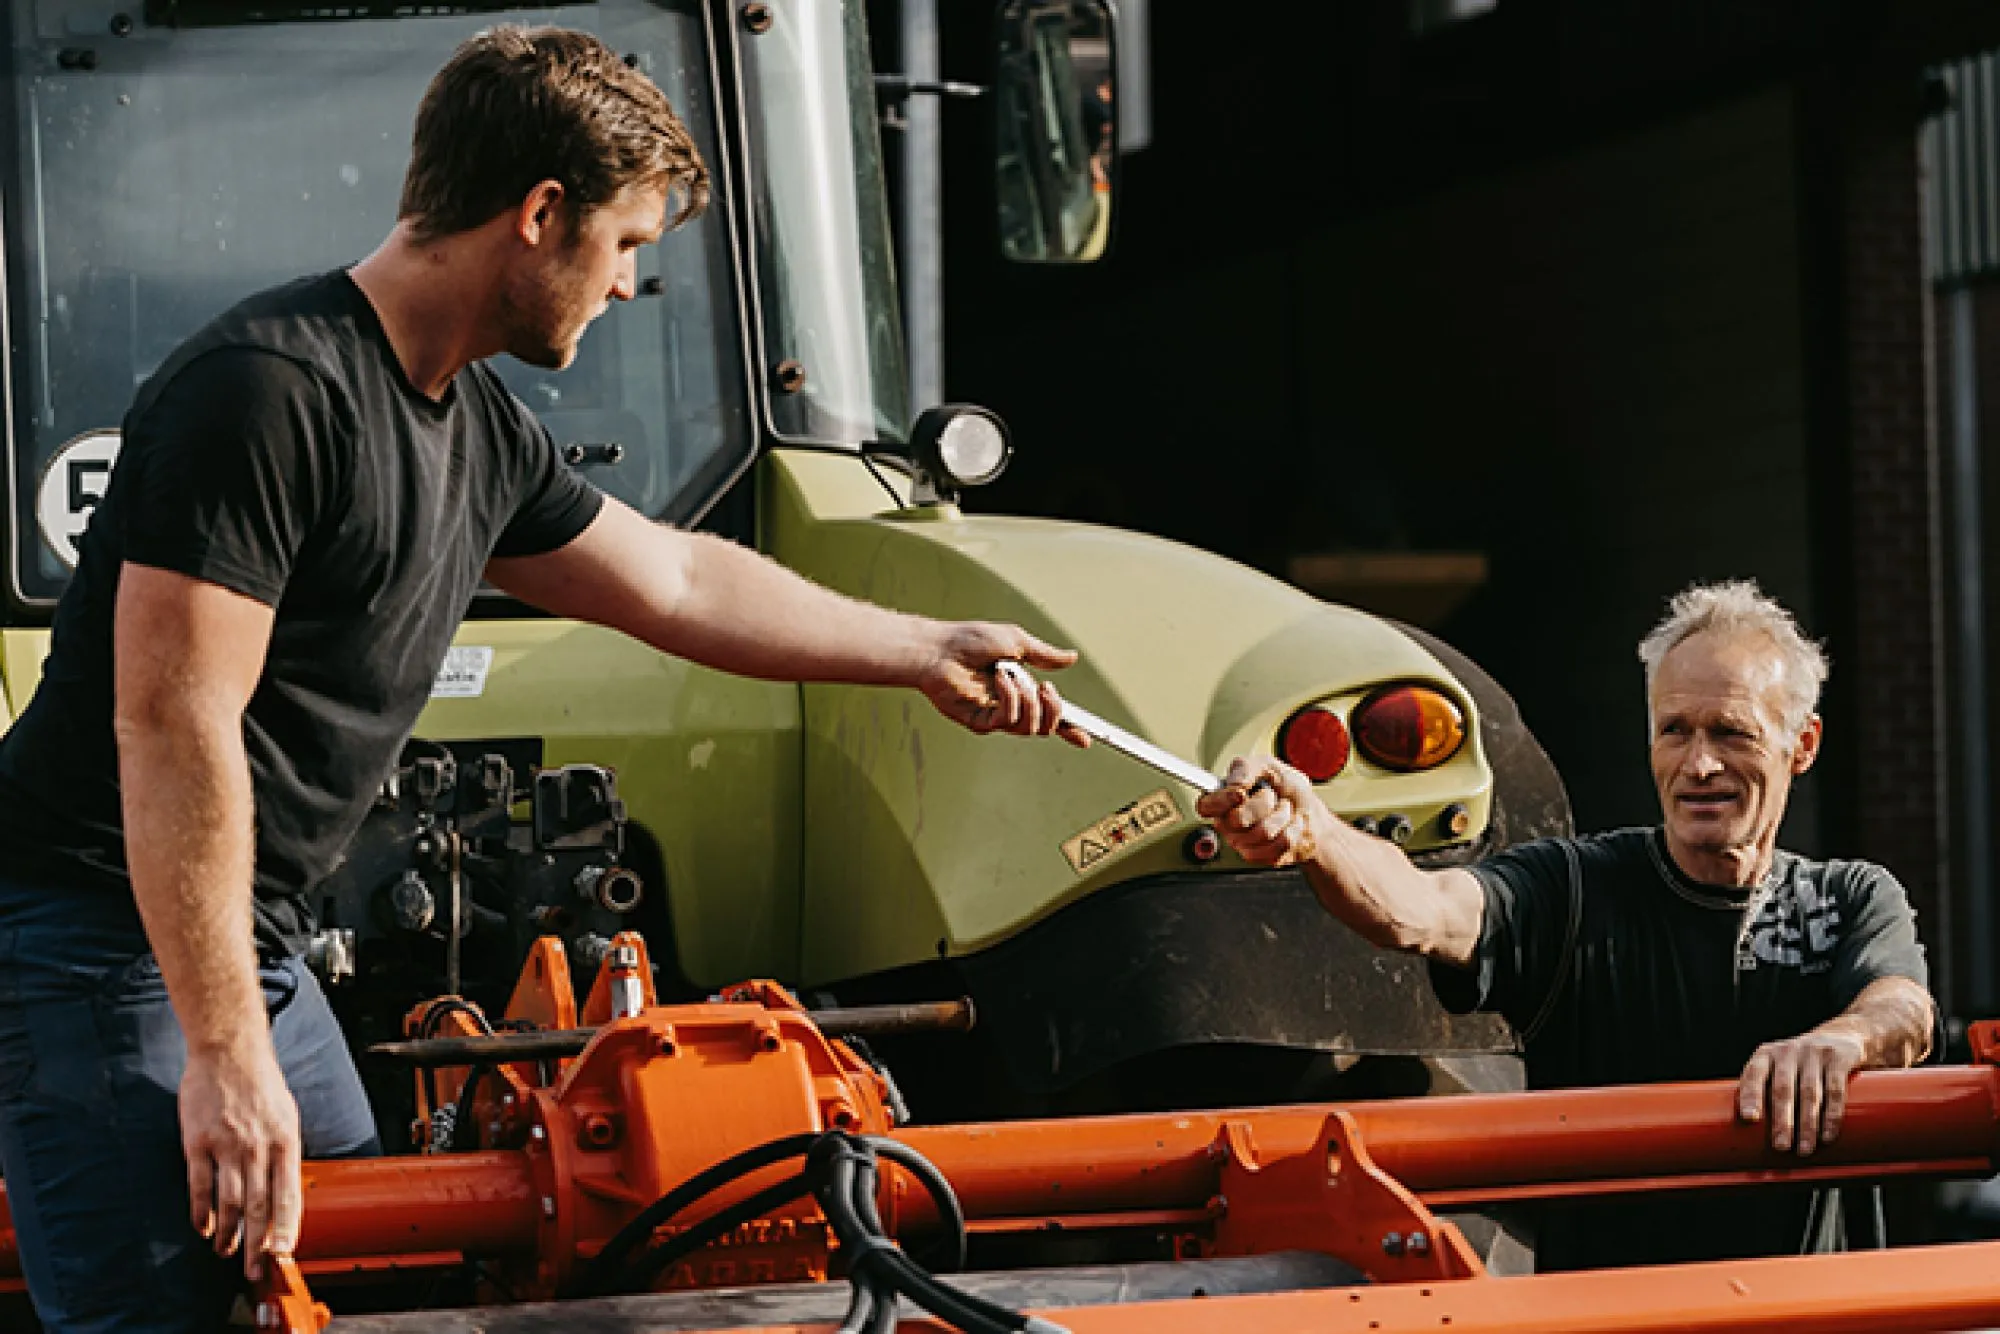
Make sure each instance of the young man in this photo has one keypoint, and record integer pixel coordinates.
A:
(311, 490)
(1696, 950)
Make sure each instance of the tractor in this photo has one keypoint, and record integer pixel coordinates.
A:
(169, 157)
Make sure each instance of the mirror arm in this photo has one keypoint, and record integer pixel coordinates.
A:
(899, 86)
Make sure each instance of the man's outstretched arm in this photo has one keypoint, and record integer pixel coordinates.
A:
(718, 604)
(1269, 814)
(187, 656)
(1801, 1082)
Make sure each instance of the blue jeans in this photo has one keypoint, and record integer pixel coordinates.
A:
(91, 1058)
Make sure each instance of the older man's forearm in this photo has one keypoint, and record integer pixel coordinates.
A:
(1371, 886)
(1892, 1018)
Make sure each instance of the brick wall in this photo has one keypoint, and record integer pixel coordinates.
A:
(1888, 547)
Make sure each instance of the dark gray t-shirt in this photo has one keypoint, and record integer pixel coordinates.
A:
(1667, 978)
(282, 453)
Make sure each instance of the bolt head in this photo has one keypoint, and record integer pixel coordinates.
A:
(1392, 1243)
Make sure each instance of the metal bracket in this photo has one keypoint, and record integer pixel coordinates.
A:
(284, 1306)
(1335, 1200)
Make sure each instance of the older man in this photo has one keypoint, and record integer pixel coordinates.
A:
(1694, 950)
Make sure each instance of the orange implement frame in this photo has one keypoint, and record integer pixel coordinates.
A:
(574, 1149)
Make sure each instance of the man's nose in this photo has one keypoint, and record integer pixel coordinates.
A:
(1702, 761)
(625, 285)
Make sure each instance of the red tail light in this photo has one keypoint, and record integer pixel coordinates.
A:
(1314, 741)
(1408, 727)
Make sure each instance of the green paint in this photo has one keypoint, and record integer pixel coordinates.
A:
(827, 832)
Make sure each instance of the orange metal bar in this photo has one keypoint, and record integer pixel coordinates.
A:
(1918, 1289)
(473, 1203)
(477, 1203)
(1943, 1120)
(1461, 1150)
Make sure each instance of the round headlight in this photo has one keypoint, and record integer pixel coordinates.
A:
(973, 449)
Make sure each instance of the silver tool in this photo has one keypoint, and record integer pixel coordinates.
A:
(1116, 737)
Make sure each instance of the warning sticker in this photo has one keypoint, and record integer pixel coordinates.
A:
(1144, 818)
(463, 675)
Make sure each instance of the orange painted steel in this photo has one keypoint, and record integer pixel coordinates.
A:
(283, 1303)
(1916, 1289)
(489, 1203)
(582, 1145)
(1461, 1151)
(472, 1203)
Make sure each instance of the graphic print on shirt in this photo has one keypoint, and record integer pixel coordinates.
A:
(1797, 925)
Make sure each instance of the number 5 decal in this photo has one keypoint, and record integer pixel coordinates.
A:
(71, 486)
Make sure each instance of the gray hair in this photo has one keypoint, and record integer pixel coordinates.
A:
(1739, 607)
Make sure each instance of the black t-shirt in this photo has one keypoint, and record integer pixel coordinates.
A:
(1650, 976)
(282, 453)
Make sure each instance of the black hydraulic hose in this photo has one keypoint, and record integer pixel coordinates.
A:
(651, 1262)
(840, 1172)
(451, 1005)
(434, 1016)
(950, 1212)
(842, 1168)
(462, 1138)
(610, 1261)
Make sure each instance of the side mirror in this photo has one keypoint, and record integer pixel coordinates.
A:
(1055, 130)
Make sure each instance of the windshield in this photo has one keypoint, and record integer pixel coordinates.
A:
(165, 173)
(826, 276)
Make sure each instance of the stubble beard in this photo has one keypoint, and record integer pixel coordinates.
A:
(539, 327)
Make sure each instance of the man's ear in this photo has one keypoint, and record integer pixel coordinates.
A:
(1807, 748)
(540, 213)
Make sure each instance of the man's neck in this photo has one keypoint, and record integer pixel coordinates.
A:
(1741, 866)
(434, 300)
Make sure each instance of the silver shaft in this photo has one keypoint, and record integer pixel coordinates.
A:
(1120, 740)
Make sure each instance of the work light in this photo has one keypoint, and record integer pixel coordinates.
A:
(957, 445)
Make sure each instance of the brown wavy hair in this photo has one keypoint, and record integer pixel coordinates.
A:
(516, 106)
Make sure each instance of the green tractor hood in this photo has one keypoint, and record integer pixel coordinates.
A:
(923, 841)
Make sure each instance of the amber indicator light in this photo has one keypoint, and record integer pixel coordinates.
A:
(1314, 741)
(1408, 727)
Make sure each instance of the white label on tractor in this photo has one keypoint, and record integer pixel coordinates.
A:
(463, 675)
(71, 487)
(1144, 819)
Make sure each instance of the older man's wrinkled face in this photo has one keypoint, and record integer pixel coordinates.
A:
(1723, 760)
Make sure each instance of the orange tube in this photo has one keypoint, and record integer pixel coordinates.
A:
(1945, 1120)
(476, 1203)
(472, 1203)
(1942, 1120)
